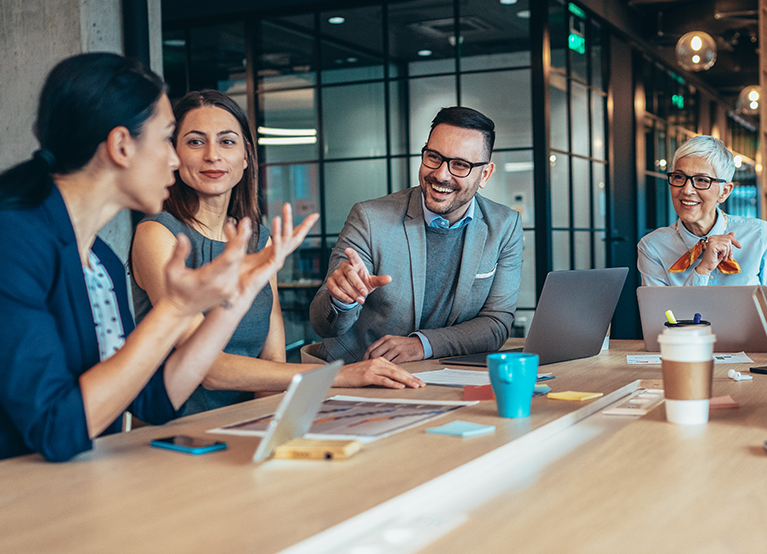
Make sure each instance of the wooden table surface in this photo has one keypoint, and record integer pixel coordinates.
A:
(650, 485)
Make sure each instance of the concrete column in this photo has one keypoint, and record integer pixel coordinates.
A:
(101, 31)
(34, 36)
(101, 26)
(155, 36)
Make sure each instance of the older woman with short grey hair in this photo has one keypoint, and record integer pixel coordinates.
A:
(705, 246)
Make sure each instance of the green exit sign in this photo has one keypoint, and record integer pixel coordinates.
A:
(577, 43)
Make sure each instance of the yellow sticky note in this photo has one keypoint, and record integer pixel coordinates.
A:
(576, 396)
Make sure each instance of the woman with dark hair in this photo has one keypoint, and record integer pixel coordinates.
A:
(70, 360)
(216, 184)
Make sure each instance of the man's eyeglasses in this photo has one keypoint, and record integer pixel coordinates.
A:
(700, 182)
(456, 166)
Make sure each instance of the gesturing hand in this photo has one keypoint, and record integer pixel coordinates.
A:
(233, 277)
(718, 248)
(352, 282)
(192, 291)
(259, 267)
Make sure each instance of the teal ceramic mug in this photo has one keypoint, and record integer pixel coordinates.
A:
(513, 376)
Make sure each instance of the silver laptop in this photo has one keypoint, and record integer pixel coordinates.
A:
(296, 412)
(730, 310)
(572, 317)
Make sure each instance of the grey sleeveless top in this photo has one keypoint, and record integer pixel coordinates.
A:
(248, 339)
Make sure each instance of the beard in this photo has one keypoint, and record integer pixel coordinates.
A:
(459, 198)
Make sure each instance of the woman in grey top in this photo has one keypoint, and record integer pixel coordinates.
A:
(216, 184)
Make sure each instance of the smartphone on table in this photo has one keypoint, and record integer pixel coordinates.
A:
(189, 445)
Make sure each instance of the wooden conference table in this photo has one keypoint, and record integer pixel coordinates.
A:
(644, 486)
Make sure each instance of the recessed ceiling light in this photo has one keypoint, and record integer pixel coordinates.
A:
(174, 42)
(511, 167)
(424, 53)
(336, 20)
(351, 60)
(276, 141)
(523, 14)
(282, 132)
(508, 2)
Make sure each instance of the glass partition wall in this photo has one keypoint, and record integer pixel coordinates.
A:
(744, 199)
(342, 101)
(578, 145)
(670, 118)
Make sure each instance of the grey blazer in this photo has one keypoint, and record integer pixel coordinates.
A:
(389, 235)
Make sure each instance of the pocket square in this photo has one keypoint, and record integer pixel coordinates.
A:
(486, 275)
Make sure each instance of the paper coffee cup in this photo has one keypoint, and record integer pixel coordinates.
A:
(688, 371)
(687, 412)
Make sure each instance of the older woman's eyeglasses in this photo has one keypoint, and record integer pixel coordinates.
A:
(700, 182)
(456, 166)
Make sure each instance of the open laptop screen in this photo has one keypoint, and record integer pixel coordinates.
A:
(730, 310)
(572, 316)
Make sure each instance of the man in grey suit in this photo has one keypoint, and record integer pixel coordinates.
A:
(431, 271)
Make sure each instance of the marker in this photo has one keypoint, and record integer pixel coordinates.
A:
(696, 318)
(670, 317)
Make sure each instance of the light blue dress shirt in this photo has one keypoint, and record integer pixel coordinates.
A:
(659, 250)
(431, 220)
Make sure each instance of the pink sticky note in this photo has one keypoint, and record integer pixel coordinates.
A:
(478, 392)
(722, 402)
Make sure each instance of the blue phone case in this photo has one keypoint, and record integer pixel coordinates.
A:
(189, 449)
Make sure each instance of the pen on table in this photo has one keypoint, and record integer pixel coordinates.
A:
(696, 318)
(670, 317)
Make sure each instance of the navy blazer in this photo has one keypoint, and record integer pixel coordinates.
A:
(48, 336)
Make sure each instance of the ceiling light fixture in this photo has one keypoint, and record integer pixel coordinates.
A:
(513, 167)
(425, 53)
(273, 141)
(696, 51)
(748, 99)
(277, 131)
(336, 20)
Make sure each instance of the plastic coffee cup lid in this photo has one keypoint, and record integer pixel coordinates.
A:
(688, 330)
(686, 334)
